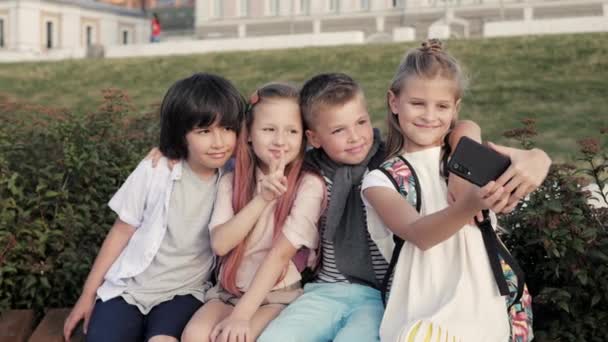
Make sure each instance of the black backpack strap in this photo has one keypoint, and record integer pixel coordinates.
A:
(398, 241)
(391, 267)
(495, 249)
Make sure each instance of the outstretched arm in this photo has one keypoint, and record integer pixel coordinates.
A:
(427, 231)
(113, 245)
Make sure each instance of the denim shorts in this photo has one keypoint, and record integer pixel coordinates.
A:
(117, 320)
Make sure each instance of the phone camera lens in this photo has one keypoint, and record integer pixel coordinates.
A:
(456, 166)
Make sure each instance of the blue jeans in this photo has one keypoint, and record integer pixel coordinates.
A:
(338, 312)
(117, 320)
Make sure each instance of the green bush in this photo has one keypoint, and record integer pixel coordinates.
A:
(57, 172)
(562, 245)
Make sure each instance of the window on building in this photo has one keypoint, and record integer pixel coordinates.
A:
(275, 7)
(364, 5)
(49, 34)
(218, 8)
(398, 3)
(305, 7)
(1, 33)
(89, 35)
(244, 8)
(125, 37)
(334, 6)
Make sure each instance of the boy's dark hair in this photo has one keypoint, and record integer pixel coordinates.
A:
(323, 90)
(197, 101)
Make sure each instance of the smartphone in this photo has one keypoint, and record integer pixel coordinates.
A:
(477, 163)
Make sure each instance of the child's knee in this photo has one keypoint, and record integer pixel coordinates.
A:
(196, 331)
(163, 338)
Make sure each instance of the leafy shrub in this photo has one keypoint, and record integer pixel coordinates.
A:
(562, 245)
(57, 172)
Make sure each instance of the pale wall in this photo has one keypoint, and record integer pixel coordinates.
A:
(545, 26)
(243, 44)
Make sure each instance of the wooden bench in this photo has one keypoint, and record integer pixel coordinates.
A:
(17, 326)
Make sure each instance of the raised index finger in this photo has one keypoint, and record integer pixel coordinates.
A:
(273, 165)
(281, 165)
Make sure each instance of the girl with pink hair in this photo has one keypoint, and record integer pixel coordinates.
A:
(260, 221)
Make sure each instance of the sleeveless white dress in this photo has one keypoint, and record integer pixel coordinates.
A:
(446, 291)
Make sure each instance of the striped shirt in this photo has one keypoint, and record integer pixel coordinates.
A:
(328, 272)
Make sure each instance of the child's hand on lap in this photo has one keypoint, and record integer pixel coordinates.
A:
(82, 311)
(231, 329)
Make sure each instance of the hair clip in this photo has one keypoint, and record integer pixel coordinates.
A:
(254, 98)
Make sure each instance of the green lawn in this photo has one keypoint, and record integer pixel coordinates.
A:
(561, 81)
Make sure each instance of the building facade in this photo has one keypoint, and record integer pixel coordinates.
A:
(46, 26)
(377, 18)
(150, 4)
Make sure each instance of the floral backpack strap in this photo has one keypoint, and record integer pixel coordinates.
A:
(499, 255)
(510, 279)
(401, 173)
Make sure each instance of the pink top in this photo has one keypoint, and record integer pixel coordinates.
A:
(300, 227)
(155, 27)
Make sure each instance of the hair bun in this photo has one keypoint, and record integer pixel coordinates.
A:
(431, 45)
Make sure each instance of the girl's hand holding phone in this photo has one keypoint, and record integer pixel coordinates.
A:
(492, 196)
(459, 187)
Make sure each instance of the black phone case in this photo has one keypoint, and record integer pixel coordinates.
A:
(477, 163)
